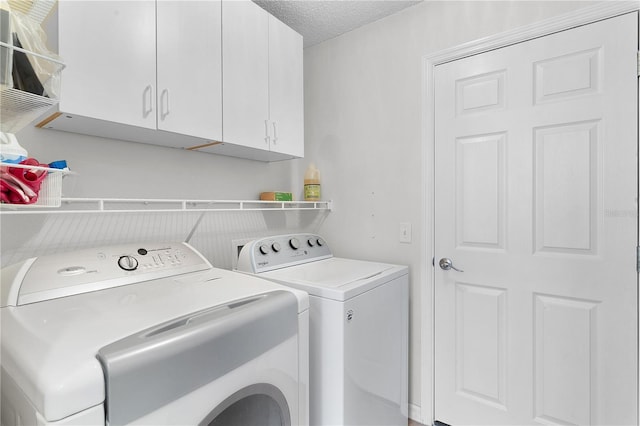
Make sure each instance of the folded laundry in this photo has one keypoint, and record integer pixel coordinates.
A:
(21, 185)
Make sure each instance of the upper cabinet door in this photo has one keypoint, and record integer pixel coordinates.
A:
(245, 87)
(189, 54)
(117, 83)
(286, 100)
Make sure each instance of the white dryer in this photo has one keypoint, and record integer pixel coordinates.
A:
(149, 334)
(358, 327)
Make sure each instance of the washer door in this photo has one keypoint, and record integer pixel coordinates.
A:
(261, 404)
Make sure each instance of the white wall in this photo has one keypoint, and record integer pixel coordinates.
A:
(112, 168)
(363, 128)
(109, 168)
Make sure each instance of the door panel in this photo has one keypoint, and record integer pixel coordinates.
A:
(245, 70)
(120, 78)
(481, 362)
(566, 173)
(555, 318)
(190, 68)
(535, 188)
(480, 191)
(286, 100)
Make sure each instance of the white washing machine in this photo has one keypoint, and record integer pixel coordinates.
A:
(358, 327)
(149, 334)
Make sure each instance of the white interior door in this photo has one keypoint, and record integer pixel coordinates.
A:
(536, 201)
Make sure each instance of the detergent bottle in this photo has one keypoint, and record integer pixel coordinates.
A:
(312, 183)
(10, 149)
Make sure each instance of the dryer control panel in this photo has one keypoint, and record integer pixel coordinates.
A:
(67, 274)
(282, 251)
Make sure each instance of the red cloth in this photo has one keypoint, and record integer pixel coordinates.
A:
(21, 185)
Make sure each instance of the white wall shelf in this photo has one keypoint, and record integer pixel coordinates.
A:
(123, 205)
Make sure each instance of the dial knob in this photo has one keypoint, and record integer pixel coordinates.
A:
(276, 247)
(128, 263)
(311, 242)
(264, 249)
(320, 242)
(294, 243)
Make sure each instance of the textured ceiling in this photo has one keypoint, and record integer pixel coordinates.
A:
(318, 21)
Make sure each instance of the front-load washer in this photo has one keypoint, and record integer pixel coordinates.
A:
(358, 327)
(149, 334)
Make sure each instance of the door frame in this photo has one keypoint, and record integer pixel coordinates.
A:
(587, 15)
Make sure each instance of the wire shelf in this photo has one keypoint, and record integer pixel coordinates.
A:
(124, 205)
(37, 10)
(19, 108)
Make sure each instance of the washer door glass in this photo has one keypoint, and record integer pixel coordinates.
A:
(261, 404)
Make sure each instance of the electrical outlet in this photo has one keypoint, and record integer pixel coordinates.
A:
(405, 232)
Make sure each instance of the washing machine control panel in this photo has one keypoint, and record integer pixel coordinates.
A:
(282, 251)
(82, 271)
(165, 257)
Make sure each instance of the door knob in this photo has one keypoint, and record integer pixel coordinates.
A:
(446, 264)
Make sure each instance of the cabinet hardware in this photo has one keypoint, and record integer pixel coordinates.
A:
(275, 133)
(147, 97)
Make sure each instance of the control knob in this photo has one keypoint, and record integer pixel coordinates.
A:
(276, 247)
(311, 242)
(264, 249)
(128, 263)
(320, 242)
(294, 243)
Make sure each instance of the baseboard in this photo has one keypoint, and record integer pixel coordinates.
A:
(415, 413)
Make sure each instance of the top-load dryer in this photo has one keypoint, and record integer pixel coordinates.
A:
(358, 327)
(149, 334)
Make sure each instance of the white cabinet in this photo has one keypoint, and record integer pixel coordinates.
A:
(152, 65)
(286, 100)
(109, 48)
(262, 82)
(216, 76)
(189, 54)
(245, 84)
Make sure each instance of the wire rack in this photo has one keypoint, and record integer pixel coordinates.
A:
(18, 108)
(134, 205)
(37, 10)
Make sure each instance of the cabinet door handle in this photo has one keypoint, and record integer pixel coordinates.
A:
(164, 100)
(275, 133)
(267, 138)
(147, 101)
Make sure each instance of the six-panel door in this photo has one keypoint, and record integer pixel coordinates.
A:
(536, 186)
